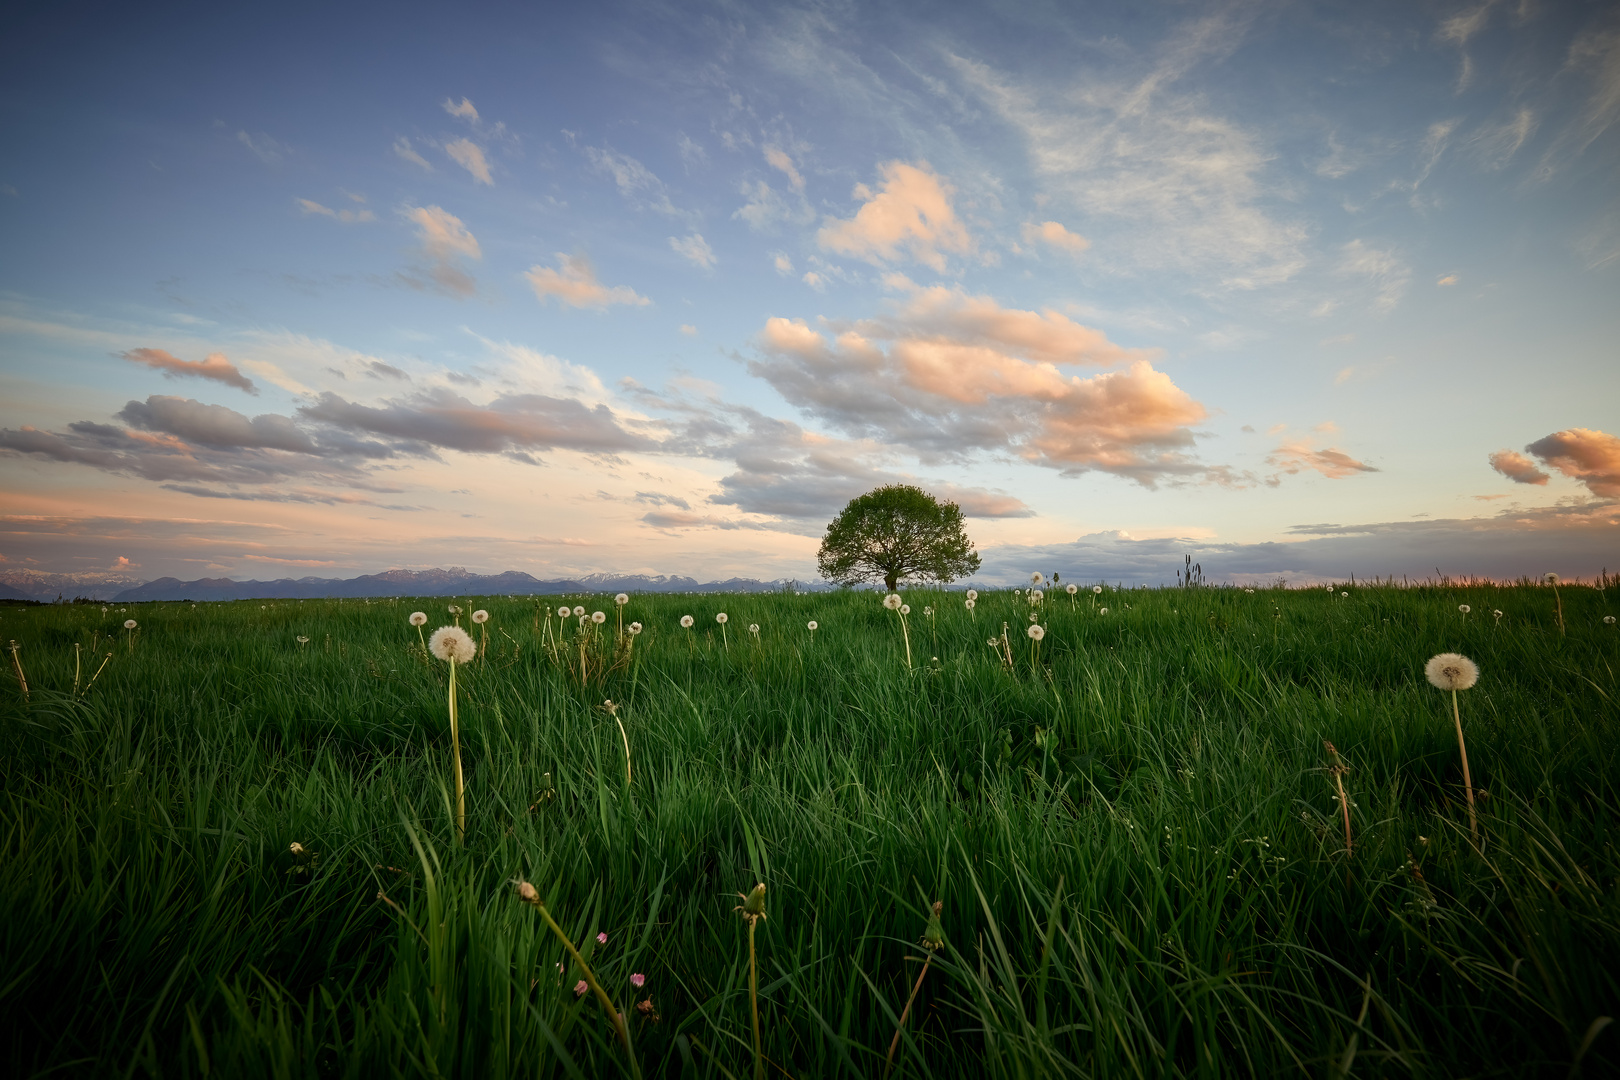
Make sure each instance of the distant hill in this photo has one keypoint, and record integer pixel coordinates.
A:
(454, 581)
(36, 585)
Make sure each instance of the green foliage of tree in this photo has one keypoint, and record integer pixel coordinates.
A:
(894, 533)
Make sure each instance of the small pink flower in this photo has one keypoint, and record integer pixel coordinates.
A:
(601, 939)
(580, 987)
(638, 980)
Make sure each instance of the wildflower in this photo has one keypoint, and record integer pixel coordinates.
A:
(130, 624)
(580, 988)
(1449, 671)
(598, 617)
(638, 980)
(564, 611)
(811, 626)
(418, 618)
(892, 601)
(452, 643)
(973, 594)
(578, 611)
(1036, 631)
(722, 618)
(530, 895)
(635, 628)
(622, 599)
(601, 939)
(686, 622)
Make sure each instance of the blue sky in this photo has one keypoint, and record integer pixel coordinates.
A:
(1309, 289)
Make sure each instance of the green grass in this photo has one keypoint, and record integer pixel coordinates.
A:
(1136, 839)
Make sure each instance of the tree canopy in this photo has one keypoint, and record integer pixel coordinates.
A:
(894, 533)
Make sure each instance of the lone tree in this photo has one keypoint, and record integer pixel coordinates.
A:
(893, 533)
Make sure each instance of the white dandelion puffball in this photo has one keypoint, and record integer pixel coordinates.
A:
(722, 618)
(1464, 608)
(302, 640)
(905, 609)
(480, 616)
(1033, 616)
(992, 641)
(1344, 594)
(635, 628)
(1249, 591)
(578, 611)
(452, 643)
(1608, 620)
(1035, 578)
(928, 611)
(622, 599)
(1071, 588)
(1036, 596)
(598, 617)
(129, 624)
(1102, 611)
(892, 601)
(1036, 631)
(1451, 671)
(1096, 588)
(753, 628)
(973, 594)
(454, 609)
(811, 625)
(686, 622)
(1498, 613)
(1550, 578)
(971, 603)
(562, 612)
(418, 618)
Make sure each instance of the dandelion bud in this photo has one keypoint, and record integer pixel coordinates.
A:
(480, 616)
(934, 936)
(418, 618)
(753, 905)
(598, 617)
(722, 618)
(686, 622)
(622, 599)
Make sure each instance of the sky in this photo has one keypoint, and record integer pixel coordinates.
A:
(1303, 290)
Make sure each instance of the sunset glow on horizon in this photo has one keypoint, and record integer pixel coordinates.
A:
(1304, 291)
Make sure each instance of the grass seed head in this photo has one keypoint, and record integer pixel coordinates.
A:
(1451, 671)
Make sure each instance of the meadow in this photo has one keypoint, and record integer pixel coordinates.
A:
(1133, 829)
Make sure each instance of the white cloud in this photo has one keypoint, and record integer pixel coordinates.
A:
(778, 159)
(403, 150)
(783, 264)
(464, 110)
(694, 249)
(689, 330)
(574, 283)
(1055, 235)
(470, 156)
(909, 217)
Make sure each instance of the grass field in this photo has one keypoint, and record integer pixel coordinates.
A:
(1133, 830)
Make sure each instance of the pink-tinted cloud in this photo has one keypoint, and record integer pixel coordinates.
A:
(470, 156)
(909, 216)
(1592, 457)
(213, 366)
(445, 240)
(1298, 455)
(1517, 467)
(949, 373)
(1053, 234)
(574, 283)
(310, 206)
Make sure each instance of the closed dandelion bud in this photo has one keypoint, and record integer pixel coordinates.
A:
(934, 936)
(753, 905)
(528, 893)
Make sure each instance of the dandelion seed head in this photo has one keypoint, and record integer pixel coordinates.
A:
(480, 616)
(1102, 611)
(578, 611)
(811, 625)
(598, 617)
(992, 641)
(971, 603)
(905, 609)
(1464, 608)
(1550, 578)
(686, 622)
(1451, 671)
(418, 618)
(1036, 596)
(892, 601)
(622, 599)
(1608, 620)
(1036, 578)
(1033, 616)
(1071, 588)
(1036, 631)
(972, 594)
(753, 628)
(129, 624)
(452, 643)
(634, 628)
(454, 609)
(564, 611)
(1096, 589)
(1344, 594)
(722, 618)
(302, 640)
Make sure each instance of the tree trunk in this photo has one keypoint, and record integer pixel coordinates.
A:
(888, 581)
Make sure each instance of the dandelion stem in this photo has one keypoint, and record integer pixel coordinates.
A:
(895, 1042)
(455, 747)
(16, 662)
(626, 739)
(590, 978)
(1468, 783)
(907, 635)
(104, 662)
(753, 1000)
(76, 649)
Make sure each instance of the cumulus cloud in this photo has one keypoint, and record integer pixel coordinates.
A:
(215, 425)
(1053, 234)
(948, 374)
(909, 217)
(404, 151)
(213, 366)
(573, 282)
(470, 156)
(693, 249)
(1517, 467)
(310, 206)
(1591, 457)
(445, 240)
